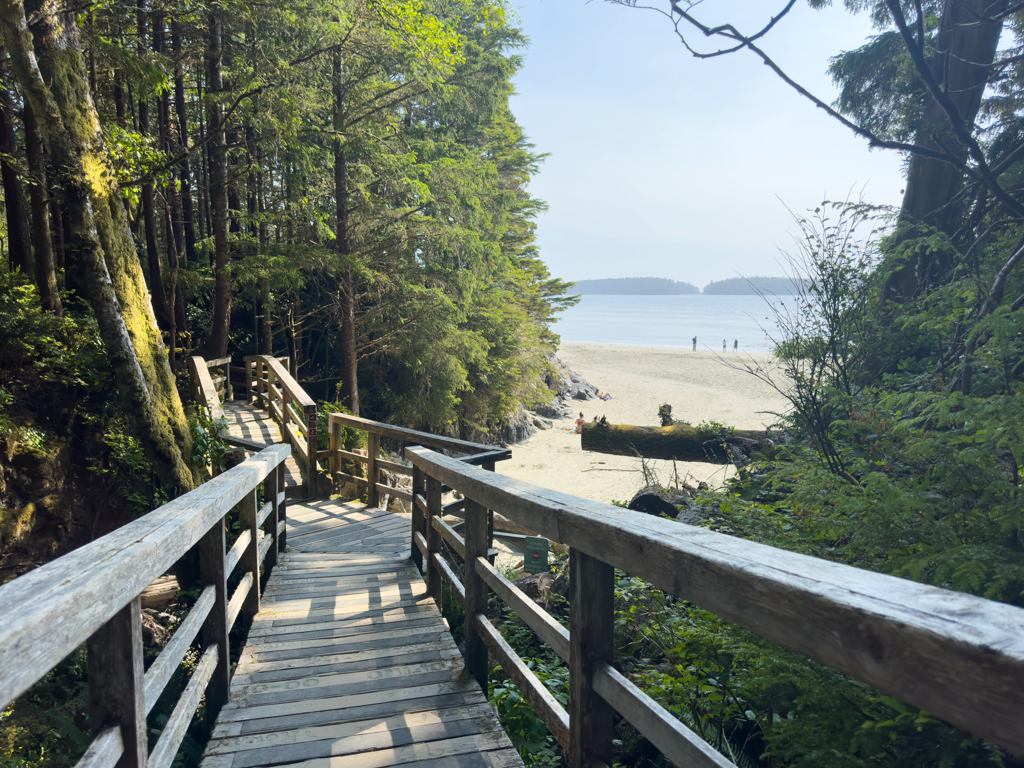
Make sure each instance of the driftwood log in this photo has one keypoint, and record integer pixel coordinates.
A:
(680, 442)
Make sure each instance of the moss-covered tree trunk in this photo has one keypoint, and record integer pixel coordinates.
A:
(58, 90)
(46, 275)
(679, 441)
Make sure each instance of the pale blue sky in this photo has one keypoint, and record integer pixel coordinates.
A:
(667, 166)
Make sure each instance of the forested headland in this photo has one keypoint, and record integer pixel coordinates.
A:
(635, 286)
(751, 286)
(663, 286)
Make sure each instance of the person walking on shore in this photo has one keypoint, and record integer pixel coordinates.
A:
(724, 343)
(735, 345)
(694, 343)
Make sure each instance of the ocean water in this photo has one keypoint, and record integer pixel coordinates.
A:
(671, 321)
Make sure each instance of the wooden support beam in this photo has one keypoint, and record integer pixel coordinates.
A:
(433, 495)
(270, 493)
(215, 628)
(115, 658)
(247, 513)
(372, 451)
(476, 592)
(591, 641)
(419, 487)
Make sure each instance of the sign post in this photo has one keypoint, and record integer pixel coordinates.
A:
(535, 554)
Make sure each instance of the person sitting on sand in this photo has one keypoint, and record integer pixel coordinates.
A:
(605, 396)
(579, 424)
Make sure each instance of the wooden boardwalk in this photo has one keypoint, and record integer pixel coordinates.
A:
(349, 663)
(255, 424)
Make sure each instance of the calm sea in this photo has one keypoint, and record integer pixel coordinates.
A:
(670, 321)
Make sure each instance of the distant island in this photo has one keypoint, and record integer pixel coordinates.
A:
(635, 286)
(663, 286)
(745, 286)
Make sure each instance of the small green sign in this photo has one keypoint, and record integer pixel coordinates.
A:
(535, 554)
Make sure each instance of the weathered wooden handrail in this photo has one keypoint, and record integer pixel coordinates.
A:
(203, 388)
(476, 453)
(92, 596)
(957, 656)
(269, 385)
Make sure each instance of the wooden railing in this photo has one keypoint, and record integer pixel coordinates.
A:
(959, 657)
(270, 386)
(208, 390)
(92, 596)
(475, 453)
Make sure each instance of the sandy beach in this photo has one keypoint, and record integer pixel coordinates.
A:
(700, 386)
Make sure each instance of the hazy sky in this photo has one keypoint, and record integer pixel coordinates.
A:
(664, 165)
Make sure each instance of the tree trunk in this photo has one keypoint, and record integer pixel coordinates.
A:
(185, 168)
(346, 288)
(679, 442)
(174, 241)
(266, 306)
(70, 127)
(217, 346)
(156, 277)
(965, 47)
(19, 242)
(46, 276)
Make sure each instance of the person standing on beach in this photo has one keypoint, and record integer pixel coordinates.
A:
(694, 343)
(735, 345)
(579, 424)
(724, 343)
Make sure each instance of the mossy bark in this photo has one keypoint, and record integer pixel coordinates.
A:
(58, 91)
(679, 441)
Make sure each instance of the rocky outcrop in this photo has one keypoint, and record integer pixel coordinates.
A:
(568, 384)
(518, 428)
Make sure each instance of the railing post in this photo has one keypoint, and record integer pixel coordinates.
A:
(215, 628)
(286, 413)
(372, 449)
(419, 488)
(270, 527)
(433, 495)
(591, 628)
(116, 690)
(250, 561)
(489, 466)
(229, 391)
(282, 509)
(312, 469)
(247, 362)
(262, 374)
(334, 436)
(476, 591)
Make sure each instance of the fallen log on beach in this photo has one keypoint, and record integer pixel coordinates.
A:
(680, 442)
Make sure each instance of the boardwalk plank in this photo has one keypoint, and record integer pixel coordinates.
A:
(475, 750)
(349, 663)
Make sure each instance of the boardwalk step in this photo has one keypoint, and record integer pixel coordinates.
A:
(348, 662)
